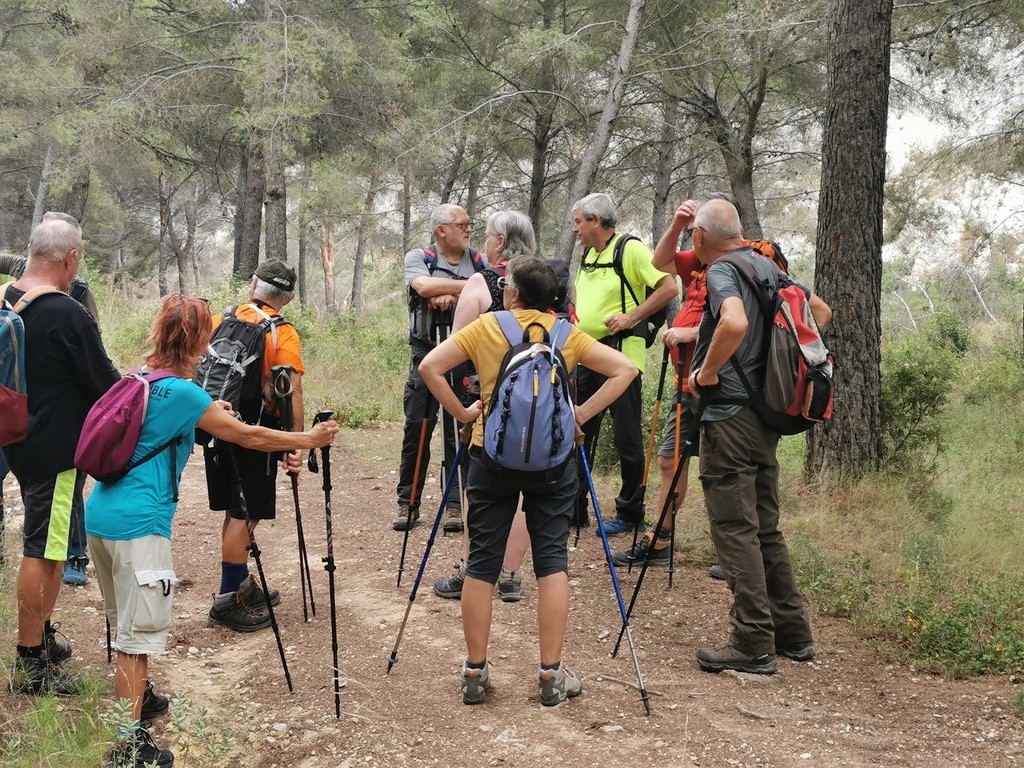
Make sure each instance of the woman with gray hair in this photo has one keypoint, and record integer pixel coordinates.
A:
(509, 234)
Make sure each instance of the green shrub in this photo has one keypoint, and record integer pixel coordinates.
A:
(917, 377)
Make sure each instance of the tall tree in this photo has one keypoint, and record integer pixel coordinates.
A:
(587, 170)
(849, 238)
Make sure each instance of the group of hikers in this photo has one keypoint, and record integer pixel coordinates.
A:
(460, 361)
(478, 321)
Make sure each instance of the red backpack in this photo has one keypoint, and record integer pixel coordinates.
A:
(112, 429)
(798, 384)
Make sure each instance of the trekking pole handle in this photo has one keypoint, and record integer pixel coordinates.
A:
(282, 380)
(312, 463)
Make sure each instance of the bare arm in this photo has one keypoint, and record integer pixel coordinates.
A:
(430, 287)
(473, 302)
(822, 312)
(665, 251)
(619, 371)
(729, 333)
(435, 365)
(224, 426)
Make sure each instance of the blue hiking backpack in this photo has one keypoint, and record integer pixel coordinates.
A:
(530, 427)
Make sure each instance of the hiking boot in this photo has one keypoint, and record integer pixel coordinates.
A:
(797, 651)
(55, 649)
(658, 555)
(619, 525)
(453, 520)
(139, 751)
(404, 522)
(252, 592)
(716, 572)
(475, 684)
(730, 657)
(451, 588)
(74, 573)
(232, 611)
(510, 586)
(153, 704)
(36, 677)
(557, 685)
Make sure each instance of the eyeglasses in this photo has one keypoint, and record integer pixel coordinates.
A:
(465, 226)
(505, 282)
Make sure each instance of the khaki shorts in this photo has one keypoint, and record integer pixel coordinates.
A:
(137, 581)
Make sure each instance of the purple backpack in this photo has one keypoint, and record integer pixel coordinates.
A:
(111, 431)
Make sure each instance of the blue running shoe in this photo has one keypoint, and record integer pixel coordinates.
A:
(618, 526)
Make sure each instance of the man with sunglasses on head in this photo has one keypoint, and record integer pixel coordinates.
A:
(609, 310)
(434, 276)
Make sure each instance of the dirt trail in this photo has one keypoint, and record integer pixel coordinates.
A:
(844, 709)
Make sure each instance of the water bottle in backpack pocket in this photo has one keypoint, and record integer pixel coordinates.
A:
(530, 428)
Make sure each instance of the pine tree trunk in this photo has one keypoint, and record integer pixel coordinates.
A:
(242, 181)
(275, 202)
(43, 190)
(252, 222)
(407, 182)
(666, 164)
(78, 195)
(327, 262)
(164, 258)
(587, 171)
(362, 239)
(849, 240)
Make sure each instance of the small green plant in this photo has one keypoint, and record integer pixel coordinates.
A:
(198, 742)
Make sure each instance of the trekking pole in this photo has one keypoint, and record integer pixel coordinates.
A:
(325, 455)
(593, 454)
(281, 377)
(413, 498)
(236, 481)
(465, 436)
(110, 650)
(669, 501)
(644, 695)
(650, 444)
(449, 427)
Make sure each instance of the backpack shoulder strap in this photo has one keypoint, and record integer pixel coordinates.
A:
(478, 262)
(430, 257)
(618, 255)
(760, 288)
(509, 326)
(32, 295)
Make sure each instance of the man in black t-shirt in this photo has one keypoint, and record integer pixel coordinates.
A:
(67, 370)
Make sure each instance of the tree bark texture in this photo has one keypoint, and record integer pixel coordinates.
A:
(243, 175)
(252, 222)
(164, 258)
(407, 183)
(275, 204)
(849, 239)
(587, 171)
(663, 174)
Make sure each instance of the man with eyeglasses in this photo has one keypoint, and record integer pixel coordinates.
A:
(609, 312)
(434, 276)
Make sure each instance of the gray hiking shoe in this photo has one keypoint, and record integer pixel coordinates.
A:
(253, 593)
(404, 521)
(797, 651)
(475, 684)
(557, 685)
(232, 611)
(451, 588)
(510, 586)
(730, 657)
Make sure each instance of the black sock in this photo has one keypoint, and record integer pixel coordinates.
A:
(30, 652)
(476, 665)
(551, 667)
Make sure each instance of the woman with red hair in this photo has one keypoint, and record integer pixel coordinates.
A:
(129, 521)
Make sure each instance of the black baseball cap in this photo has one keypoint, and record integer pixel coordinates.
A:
(277, 273)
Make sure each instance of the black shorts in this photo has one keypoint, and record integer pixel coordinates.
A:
(258, 473)
(493, 500)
